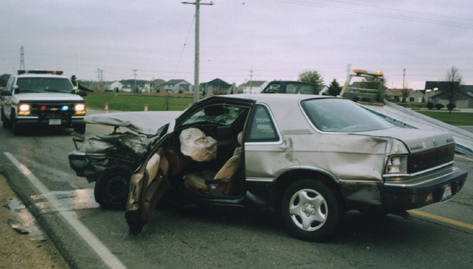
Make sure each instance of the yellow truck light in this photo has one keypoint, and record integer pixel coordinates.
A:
(80, 109)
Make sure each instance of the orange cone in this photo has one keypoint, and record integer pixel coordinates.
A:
(146, 107)
(106, 107)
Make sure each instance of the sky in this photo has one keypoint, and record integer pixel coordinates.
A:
(240, 40)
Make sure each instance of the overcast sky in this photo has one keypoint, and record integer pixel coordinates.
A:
(277, 39)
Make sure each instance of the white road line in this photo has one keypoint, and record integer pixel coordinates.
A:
(102, 251)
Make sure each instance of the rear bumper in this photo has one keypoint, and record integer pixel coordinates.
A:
(422, 191)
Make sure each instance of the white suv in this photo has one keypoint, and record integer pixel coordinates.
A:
(40, 97)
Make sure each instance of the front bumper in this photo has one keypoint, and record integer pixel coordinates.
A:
(50, 121)
(422, 190)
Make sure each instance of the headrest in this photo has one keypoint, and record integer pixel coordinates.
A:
(240, 138)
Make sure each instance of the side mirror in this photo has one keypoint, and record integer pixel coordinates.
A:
(5, 93)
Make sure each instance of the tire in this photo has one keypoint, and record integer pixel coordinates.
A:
(14, 126)
(6, 122)
(112, 186)
(80, 128)
(311, 211)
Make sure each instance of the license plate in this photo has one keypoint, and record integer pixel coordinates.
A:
(54, 121)
(447, 193)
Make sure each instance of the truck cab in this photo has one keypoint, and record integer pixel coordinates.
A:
(41, 98)
(294, 87)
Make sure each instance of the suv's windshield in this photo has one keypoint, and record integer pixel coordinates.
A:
(341, 115)
(44, 84)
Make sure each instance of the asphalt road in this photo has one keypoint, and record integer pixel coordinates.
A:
(88, 236)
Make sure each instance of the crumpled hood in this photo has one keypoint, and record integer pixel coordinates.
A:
(415, 139)
(48, 97)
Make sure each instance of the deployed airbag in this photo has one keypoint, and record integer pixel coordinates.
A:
(198, 146)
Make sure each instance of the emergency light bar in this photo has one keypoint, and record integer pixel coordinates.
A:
(364, 72)
(39, 72)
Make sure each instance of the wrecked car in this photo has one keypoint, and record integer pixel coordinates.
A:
(310, 158)
(110, 159)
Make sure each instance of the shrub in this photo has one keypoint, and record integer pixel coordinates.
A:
(439, 106)
(430, 105)
(450, 106)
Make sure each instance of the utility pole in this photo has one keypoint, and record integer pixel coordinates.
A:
(251, 83)
(196, 61)
(100, 78)
(134, 72)
(403, 79)
(22, 58)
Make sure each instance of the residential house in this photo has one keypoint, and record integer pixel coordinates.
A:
(155, 85)
(397, 95)
(463, 99)
(252, 86)
(417, 96)
(177, 86)
(115, 86)
(215, 87)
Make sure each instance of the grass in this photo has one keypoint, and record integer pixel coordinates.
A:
(454, 118)
(137, 102)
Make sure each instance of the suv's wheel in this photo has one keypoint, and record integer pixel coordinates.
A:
(311, 210)
(79, 128)
(6, 122)
(111, 188)
(14, 125)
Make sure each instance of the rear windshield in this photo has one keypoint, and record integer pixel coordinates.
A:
(341, 115)
(44, 84)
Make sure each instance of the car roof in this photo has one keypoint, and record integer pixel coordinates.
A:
(275, 99)
(40, 75)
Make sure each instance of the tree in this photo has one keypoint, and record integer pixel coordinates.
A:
(453, 88)
(334, 88)
(312, 77)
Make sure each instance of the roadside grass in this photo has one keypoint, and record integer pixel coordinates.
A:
(454, 118)
(136, 102)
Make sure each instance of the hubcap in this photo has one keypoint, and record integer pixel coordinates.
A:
(308, 210)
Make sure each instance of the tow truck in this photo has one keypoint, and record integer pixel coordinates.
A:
(42, 98)
(363, 94)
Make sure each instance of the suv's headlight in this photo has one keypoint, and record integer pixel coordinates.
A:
(397, 164)
(80, 109)
(23, 109)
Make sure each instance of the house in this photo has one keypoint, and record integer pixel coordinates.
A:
(463, 98)
(115, 86)
(397, 95)
(155, 85)
(177, 86)
(215, 87)
(252, 86)
(417, 96)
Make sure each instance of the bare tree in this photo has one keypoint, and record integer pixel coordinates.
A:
(453, 88)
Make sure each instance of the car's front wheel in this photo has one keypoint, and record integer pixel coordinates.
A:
(6, 122)
(311, 210)
(80, 128)
(111, 188)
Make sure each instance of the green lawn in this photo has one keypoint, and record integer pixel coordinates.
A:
(136, 102)
(454, 118)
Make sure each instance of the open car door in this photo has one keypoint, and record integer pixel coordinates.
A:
(147, 186)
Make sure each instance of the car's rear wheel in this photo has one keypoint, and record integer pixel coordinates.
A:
(111, 188)
(311, 210)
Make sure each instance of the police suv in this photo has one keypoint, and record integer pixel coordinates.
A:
(39, 97)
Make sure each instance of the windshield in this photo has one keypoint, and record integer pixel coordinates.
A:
(220, 114)
(44, 84)
(341, 115)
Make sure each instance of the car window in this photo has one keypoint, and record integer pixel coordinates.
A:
(220, 114)
(44, 84)
(273, 88)
(341, 115)
(262, 128)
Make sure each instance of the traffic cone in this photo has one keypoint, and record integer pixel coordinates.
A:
(146, 107)
(106, 107)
